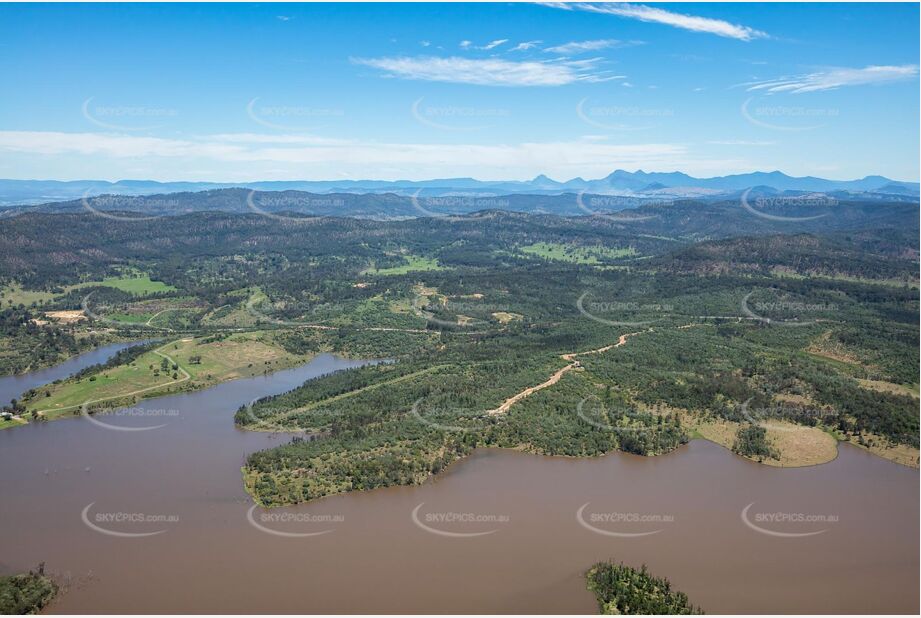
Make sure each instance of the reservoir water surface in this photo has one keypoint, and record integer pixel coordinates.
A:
(157, 521)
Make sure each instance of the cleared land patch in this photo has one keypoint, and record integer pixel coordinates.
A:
(413, 263)
(14, 294)
(797, 445)
(889, 387)
(576, 254)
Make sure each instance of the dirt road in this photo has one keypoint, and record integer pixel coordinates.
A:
(573, 363)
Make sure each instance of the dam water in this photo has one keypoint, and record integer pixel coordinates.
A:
(157, 521)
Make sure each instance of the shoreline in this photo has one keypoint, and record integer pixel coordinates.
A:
(434, 478)
(188, 383)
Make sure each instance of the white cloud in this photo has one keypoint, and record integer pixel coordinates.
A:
(465, 44)
(54, 143)
(283, 17)
(641, 12)
(836, 78)
(495, 43)
(577, 47)
(526, 45)
(488, 71)
(256, 156)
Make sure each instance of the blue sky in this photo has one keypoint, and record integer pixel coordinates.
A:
(240, 92)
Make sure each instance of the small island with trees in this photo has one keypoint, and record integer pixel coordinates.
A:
(621, 589)
(26, 593)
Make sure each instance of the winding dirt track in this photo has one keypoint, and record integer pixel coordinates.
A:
(185, 376)
(573, 363)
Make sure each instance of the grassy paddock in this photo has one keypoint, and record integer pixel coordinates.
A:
(414, 263)
(577, 254)
(205, 360)
(140, 285)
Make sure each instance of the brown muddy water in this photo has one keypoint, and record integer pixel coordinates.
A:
(500, 532)
(14, 386)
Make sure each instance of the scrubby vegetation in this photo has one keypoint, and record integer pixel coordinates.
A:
(28, 345)
(623, 590)
(752, 441)
(25, 594)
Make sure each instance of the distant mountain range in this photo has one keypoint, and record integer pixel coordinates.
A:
(640, 184)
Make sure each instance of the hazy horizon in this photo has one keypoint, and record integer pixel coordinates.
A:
(116, 180)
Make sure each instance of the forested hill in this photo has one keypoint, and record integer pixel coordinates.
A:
(300, 203)
(384, 206)
(865, 255)
(40, 249)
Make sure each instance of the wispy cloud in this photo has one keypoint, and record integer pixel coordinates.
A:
(489, 71)
(656, 15)
(526, 45)
(837, 78)
(491, 45)
(578, 47)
